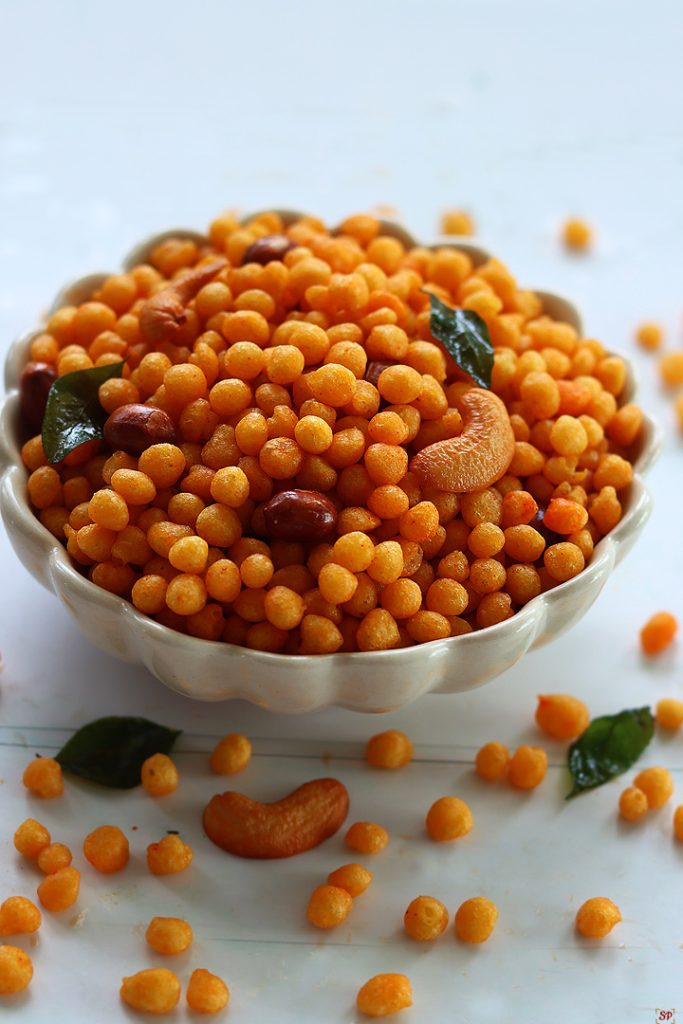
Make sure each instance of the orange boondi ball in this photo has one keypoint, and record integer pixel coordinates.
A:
(561, 716)
(16, 970)
(232, 754)
(354, 878)
(633, 804)
(59, 891)
(53, 857)
(678, 407)
(658, 632)
(492, 762)
(678, 823)
(457, 222)
(155, 990)
(475, 919)
(669, 713)
(597, 917)
(19, 915)
(391, 749)
(657, 785)
(366, 837)
(577, 234)
(30, 838)
(168, 935)
(206, 992)
(671, 368)
(106, 848)
(425, 919)
(159, 775)
(649, 335)
(448, 818)
(528, 766)
(328, 906)
(385, 994)
(169, 856)
(43, 777)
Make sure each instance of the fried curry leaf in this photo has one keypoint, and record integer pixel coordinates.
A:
(465, 336)
(608, 747)
(111, 750)
(73, 414)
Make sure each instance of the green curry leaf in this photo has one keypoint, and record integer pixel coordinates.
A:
(73, 414)
(465, 336)
(608, 747)
(111, 750)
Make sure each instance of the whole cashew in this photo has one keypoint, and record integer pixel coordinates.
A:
(478, 456)
(298, 822)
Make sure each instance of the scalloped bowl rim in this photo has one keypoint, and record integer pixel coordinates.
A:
(18, 514)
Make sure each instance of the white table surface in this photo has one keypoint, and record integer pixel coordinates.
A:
(117, 120)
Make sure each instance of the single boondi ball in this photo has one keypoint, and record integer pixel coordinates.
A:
(678, 823)
(366, 837)
(385, 994)
(328, 906)
(232, 754)
(425, 919)
(475, 919)
(16, 970)
(448, 818)
(657, 785)
(577, 234)
(597, 917)
(632, 804)
(168, 935)
(391, 749)
(159, 775)
(206, 992)
(492, 762)
(155, 990)
(19, 915)
(43, 776)
(669, 713)
(106, 848)
(561, 716)
(528, 767)
(30, 838)
(354, 878)
(658, 632)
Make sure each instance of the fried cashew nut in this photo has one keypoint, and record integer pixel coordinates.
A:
(478, 456)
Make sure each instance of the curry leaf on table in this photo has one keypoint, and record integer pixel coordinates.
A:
(608, 747)
(111, 750)
(465, 336)
(73, 414)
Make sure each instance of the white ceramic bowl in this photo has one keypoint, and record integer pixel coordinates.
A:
(376, 681)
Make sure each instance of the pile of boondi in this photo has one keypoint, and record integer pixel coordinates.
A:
(255, 482)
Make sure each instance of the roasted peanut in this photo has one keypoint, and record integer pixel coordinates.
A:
(133, 428)
(299, 822)
(300, 516)
(34, 386)
(265, 250)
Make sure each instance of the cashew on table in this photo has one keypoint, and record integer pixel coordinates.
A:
(298, 822)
